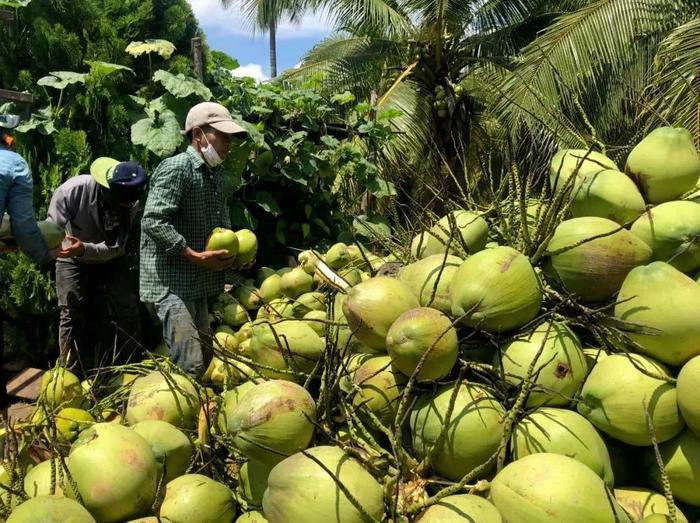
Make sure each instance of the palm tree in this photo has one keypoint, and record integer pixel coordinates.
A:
(433, 61)
(265, 15)
(477, 75)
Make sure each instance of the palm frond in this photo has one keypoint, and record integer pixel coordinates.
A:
(345, 62)
(368, 17)
(673, 98)
(580, 55)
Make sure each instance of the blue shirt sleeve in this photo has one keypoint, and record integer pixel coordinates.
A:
(20, 207)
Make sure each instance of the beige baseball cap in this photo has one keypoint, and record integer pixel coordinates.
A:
(214, 115)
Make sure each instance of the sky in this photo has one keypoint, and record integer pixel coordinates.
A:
(226, 31)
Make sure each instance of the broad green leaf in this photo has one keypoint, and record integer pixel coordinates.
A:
(161, 135)
(41, 121)
(106, 68)
(14, 4)
(181, 86)
(265, 200)
(372, 225)
(161, 47)
(241, 216)
(305, 230)
(61, 79)
(343, 98)
(380, 188)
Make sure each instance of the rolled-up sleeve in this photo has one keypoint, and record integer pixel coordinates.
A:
(168, 185)
(20, 207)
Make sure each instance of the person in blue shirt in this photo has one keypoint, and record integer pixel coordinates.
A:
(17, 199)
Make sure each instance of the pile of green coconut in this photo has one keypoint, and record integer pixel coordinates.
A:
(535, 361)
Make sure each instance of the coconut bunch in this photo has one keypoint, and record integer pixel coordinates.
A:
(533, 359)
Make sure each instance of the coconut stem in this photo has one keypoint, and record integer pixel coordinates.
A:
(666, 484)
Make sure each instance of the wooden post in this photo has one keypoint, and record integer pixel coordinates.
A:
(7, 17)
(16, 96)
(197, 60)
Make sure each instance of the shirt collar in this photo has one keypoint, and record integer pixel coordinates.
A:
(197, 160)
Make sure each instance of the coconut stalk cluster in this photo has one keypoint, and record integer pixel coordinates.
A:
(534, 359)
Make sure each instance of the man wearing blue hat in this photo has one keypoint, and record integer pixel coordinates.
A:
(94, 293)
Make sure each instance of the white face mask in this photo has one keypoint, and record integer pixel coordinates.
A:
(209, 154)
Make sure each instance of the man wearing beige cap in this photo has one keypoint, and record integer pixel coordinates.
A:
(185, 203)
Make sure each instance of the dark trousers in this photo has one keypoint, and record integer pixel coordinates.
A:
(99, 313)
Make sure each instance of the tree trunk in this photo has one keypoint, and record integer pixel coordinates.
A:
(273, 49)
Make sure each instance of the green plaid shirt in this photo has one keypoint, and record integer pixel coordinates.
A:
(185, 203)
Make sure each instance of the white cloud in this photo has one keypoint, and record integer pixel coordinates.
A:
(211, 14)
(252, 71)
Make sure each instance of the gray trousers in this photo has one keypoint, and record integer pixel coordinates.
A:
(186, 332)
(99, 312)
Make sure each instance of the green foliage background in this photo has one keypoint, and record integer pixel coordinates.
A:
(296, 180)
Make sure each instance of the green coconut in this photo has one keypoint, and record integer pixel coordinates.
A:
(641, 503)
(420, 331)
(252, 517)
(471, 235)
(248, 296)
(380, 385)
(247, 247)
(222, 239)
(115, 471)
(594, 270)
(172, 449)
(299, 489)
(229, 373)
(607, 194)
(579, 162)
(253, 481)
(461, 508)
(61, 388)
(617, 393)
(421, 278)
(687, 387)
(559, 370)
(272, 420)
(295, 283)
(229, 400)
(551, 488)
(473, 435)
(226, 342)
(681, 459)
(671, 231)
(665, 164)
(561, 431)
(372, 306)
(593, 355)
(666, 302)
(285, 345)
(194, 497)
(50, 509)
(270, 288)
(150, 519)
(174, 400)
(70, 422)
(317, 321)
(276, 309)
(235, 315)
(495, 290)
(338, 256)
(307, 302)
(348, 368)
(38, 481)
